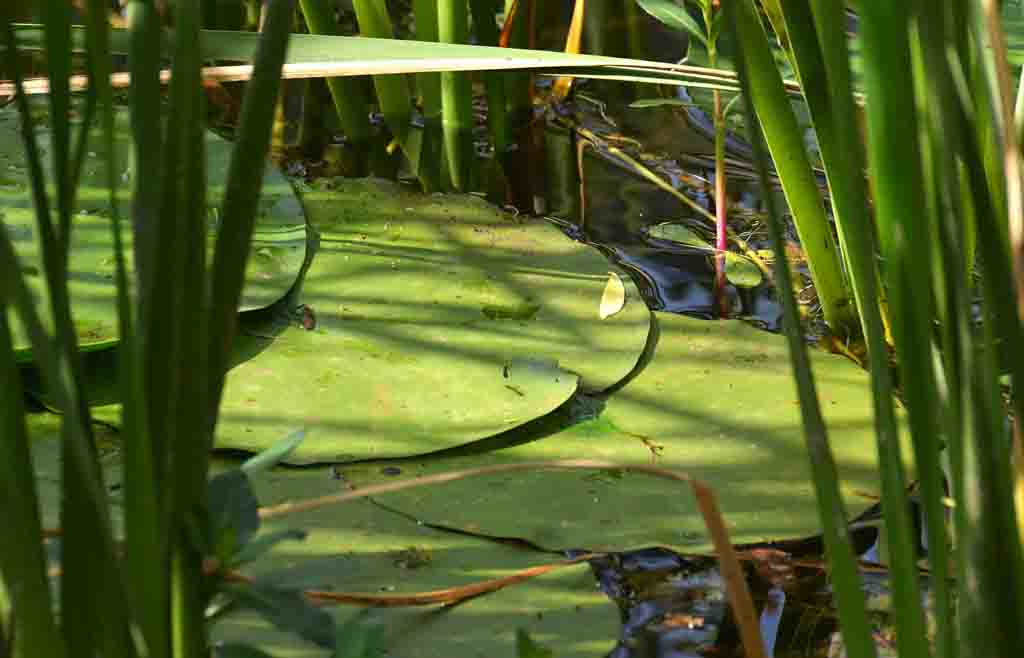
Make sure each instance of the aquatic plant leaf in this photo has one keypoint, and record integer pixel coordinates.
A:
(746, 442)
(680, 234)
(234, 650)
(274, 454)
(675, 16)
(438, 321)
(276, 254)
(361, 547)
(741, 271)
(233, 512)
(614, 297)
(287, 609)
(526, 647)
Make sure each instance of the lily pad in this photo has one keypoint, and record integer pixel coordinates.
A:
(277, 252)
(438, 321)
(717, 402)
(361, 547)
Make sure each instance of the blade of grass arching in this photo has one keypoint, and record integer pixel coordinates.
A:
(486, 30)
(241, 200)
(456, 97)
(350, 100)
(786, 146)
(393, 95)
(906, 238)
(807, 52)
(845, 576)
(22, 560)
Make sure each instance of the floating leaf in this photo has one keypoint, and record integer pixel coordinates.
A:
(679, 413)
(276, 255)
(614, 297)
(360, 547)
(680, 234)
(422, 305)
(741, 271)
(526, 647)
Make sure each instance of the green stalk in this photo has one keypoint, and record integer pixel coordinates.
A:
(895, 168)
(456, 97)
(844, 573)
(487, 35)
(992, 567)
(183, 221)
(393, 94)
(350, 100)
(786, 145)
(146, 542)
(429, 88)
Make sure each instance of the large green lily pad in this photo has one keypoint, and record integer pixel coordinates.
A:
(277, 252)
(435, 321)
(360, 547)
(717, 402)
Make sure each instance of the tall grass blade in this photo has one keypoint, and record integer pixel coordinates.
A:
(845, 576)
(896, 170)
(486, 30)
(393, 94)
(22, 561)
(456, 97)
(350, 101)
(786, 145)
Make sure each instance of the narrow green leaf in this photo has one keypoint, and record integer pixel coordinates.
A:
(239, 651)
(274, 454)
(674, 16)
(526, 647)
(785, 142)
(234, 512)
(361, 636)
(287, 609)
(22, 560)
(844, 572)
(456, 97)
(350, 100)
(260, 545)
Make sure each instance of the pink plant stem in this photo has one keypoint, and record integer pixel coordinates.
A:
(721, 208)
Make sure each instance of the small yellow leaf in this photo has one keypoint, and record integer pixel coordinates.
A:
(614, 297)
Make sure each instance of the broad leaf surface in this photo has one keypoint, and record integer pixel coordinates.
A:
(277, 251)
(717, 402)
(434, 321)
